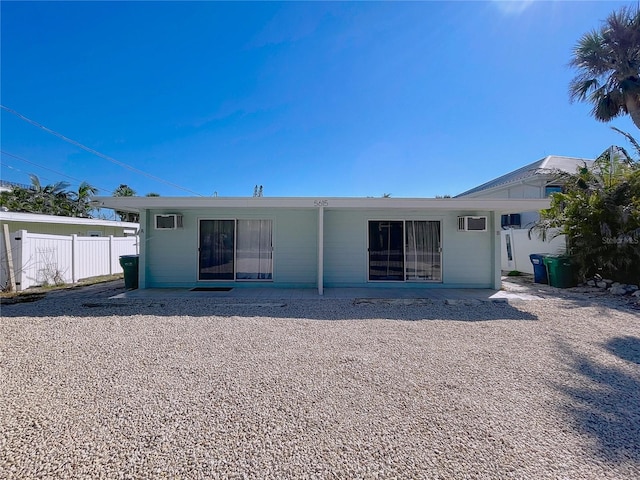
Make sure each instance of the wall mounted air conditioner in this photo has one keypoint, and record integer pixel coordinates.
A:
(169, 221)
(472, 224)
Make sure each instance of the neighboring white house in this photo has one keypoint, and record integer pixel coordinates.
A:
(46, 249)
(56, 225)
(319, 242)
(537, 180)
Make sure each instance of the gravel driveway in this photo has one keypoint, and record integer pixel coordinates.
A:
(97, 388)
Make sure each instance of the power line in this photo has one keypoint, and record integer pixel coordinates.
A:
(95, 152)
(23, 185)
(17, 157)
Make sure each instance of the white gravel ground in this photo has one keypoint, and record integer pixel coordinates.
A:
(318, 389)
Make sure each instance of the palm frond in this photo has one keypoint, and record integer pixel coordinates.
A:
(607, 63)
(607, 106)
(631, 140)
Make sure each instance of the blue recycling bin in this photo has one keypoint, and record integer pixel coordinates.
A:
(539, 268)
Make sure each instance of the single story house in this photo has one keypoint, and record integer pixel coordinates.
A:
(319, 242)
(56, 225)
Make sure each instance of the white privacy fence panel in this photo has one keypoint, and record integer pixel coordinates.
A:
(40, 259)
(516, 248)
(122, 246)
(45, 259)
(91, 257)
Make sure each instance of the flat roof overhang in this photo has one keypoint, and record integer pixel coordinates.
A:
(499, 205)
(41, 218)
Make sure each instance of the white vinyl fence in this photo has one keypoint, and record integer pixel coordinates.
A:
(516, 248)
(40, 259)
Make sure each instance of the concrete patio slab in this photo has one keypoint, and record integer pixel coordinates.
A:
(433, 294)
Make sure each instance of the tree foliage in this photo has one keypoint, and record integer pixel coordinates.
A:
(608, 65)
(53, 199)
(125, 190)
(599, 212)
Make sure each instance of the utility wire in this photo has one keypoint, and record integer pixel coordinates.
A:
(95, 152)
(18, 170)
(17, 157)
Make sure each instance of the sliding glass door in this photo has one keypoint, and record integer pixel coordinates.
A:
(404, 250)
(217, 244)
(235, 250)
(386, 252)
(423, 251)
(254, 255)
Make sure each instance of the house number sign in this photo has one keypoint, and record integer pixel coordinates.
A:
(321, 203)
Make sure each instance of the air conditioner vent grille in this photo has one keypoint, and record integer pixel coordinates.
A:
(472, 224)
(171, 221)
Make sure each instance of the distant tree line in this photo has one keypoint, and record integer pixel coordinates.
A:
(58, 199)
(53, 199)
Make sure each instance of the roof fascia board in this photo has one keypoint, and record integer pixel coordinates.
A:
(176, 203)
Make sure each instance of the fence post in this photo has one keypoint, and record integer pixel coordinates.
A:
(9, 257)
(74, 258)
(20, 240)
(111, 247)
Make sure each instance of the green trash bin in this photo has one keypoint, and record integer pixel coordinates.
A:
(129, 264)
(560, 271)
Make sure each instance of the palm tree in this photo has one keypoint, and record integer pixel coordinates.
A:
(608, 65)
(82, 198)
(126, 191)
(50, 199)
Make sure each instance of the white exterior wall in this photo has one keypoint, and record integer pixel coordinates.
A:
(171, 256)
(534, 188)
(522, 247)
(467, 259)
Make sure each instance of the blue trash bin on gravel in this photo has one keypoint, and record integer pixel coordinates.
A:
(539, 268)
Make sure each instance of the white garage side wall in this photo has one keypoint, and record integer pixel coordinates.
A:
(467, 258)
(522, 247)
(171, 256)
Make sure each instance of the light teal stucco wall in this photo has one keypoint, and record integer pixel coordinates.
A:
(467, 259)
(171, 256)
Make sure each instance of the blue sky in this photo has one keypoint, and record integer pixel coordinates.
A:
(307, 99)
